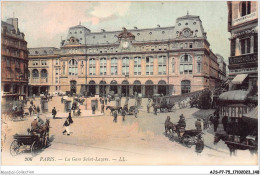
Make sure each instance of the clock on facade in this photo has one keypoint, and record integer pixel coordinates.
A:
(186, 32)
(125, 44)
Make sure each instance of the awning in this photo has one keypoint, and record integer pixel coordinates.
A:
(237, 95)
(239, 78)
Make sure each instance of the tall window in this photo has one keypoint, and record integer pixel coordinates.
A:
(186, 64)
(173, 65)
(245, 8)
(137, 65)
(233, 47)
(35, 62)
(149, 65)
(63, 68)
(73, 67)
(103, 66)
(255, 43)
(57, 62)
(245, 45)
(92, 66)
(125, 70)
(114, 66)
(162, 65)
(198, 64)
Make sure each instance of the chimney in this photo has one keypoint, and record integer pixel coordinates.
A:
(103, 30)
(158, 25)
(13, 22)
(135, 27)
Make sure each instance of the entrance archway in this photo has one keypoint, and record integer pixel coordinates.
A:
(125, 88)
(43, 89)
(73, 86)
(137, 87)
(35, 90)
(113, 86)
(92, 88)
(162, 87)
(149, 88)
(102, 88)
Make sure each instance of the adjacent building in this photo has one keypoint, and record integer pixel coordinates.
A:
(222, 68)
(14, 62)
(242, 96)
(162, 60)
(243, 60)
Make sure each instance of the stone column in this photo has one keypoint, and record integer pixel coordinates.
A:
(143, 90)
(155, 89)
(252, 44)
(119, 90)
(131, 90)
(97, 89)
(107, 89)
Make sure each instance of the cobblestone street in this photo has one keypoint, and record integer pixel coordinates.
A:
(141, 140)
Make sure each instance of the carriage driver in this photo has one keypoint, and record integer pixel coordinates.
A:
(181, 122)
(34, 124)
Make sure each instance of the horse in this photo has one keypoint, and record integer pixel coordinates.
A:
(234, 147)
(169, 126)
(114, 108)
(44, 132)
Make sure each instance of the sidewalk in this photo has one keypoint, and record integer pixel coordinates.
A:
(84, 113)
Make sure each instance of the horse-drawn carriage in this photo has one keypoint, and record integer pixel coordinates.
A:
(162, 103)
(35, 140)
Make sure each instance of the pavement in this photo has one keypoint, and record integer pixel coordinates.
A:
(97, 140)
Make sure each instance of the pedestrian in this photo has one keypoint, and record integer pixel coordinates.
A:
(102, 108)
(40, 121)
(30, 110)
(54, 112)
(198, 124)
(148, 108)
(38, 109)
(115, 116)
(205, 124)
(93, 109)
(123, 114)
(215, 123)
(31, 102)
(136, 112)
(155, 109)
(22, 111)
(67, 124)
(62, 99)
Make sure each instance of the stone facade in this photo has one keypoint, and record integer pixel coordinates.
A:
(14, 62)
(164, 60)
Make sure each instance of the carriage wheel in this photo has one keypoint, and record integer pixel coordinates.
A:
(14, 148)
(33, 149)
(187, 141)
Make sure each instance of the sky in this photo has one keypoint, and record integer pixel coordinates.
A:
(44, 23)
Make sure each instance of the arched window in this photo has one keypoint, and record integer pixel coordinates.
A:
(162, 65)
(73, 67)
(113, 66)
(44, 73)
(185, 86)
(186, 64)
(125, 70)
(92, 66)
(149, 65)
(137, 65)
(35, 73)
(103, 66)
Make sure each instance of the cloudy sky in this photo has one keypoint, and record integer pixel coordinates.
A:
(44, 23)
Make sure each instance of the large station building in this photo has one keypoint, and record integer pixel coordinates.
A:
(163, 60)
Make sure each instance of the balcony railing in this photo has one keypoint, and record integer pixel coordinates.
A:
(35, 80)
(243, 59)
(44, 80)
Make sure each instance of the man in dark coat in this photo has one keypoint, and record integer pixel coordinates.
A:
(181, 122)
(30, 110)
(215, 123)
(31, 102)
(38, 109)
(155, 109)
(67, 124)
(123, 114)
(102, 108)
(54, 112)
(115, 116)
(105, 100)
(93, 109)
